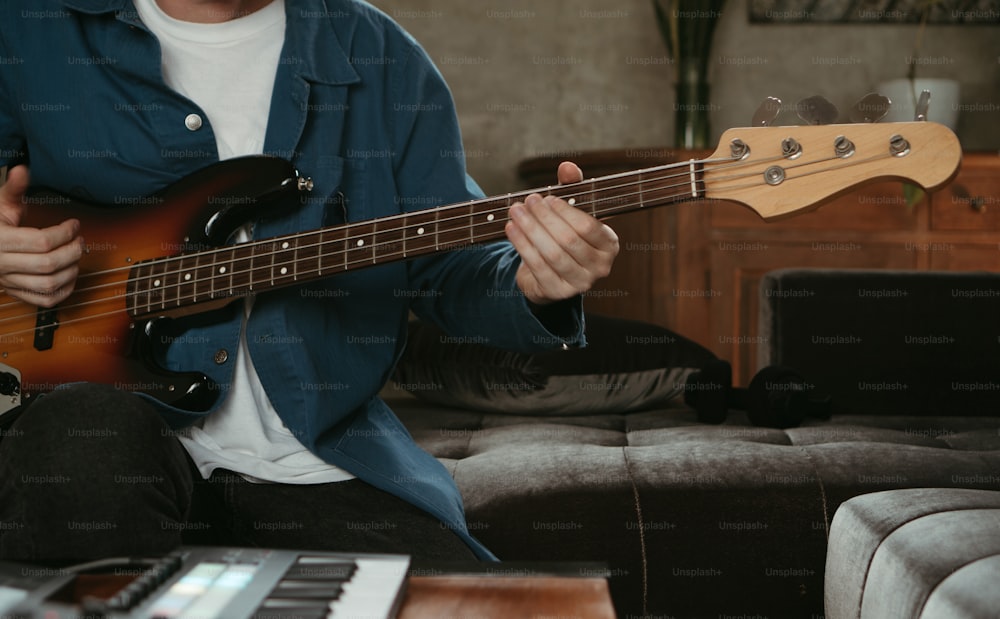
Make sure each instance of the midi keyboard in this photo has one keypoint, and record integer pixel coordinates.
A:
(202, 582)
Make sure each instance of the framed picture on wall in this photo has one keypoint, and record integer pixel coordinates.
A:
(876, 11)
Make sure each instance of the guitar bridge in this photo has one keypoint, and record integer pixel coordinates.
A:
(45, 327)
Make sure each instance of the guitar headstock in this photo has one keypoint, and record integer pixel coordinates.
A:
(780, 171)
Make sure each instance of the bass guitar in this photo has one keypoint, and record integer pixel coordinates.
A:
(170, 258)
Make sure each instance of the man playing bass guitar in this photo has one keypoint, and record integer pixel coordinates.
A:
(110, 101)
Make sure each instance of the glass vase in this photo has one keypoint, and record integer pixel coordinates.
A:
(691, 105)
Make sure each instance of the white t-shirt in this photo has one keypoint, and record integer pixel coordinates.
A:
(228, 69)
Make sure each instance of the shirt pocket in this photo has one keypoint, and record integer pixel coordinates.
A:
(333, 180)
(339, 193)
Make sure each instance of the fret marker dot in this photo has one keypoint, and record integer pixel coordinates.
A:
(222, 269)
(361, 243)
(187, 277)
(420, 230)
(156, 282)
(491, 217)
(284, 245)
(572, 201)
(284, 271)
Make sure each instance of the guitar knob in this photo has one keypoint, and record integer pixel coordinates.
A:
(739, 149)
(923, 105)
(816, 110)
(870, 109)
(766, 112)
(790, 148)
(9, 384)
(843, 147)
(898, 146)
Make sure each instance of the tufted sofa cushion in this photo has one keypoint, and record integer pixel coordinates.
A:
(692, 519)
(928, 553)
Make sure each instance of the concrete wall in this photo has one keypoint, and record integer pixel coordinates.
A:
(545, 76)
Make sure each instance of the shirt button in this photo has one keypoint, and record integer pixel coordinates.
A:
(192, 122)
(221, 356)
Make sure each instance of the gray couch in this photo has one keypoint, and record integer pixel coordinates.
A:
(695, 519)
(919, 553)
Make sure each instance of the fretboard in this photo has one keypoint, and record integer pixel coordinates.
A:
(249, 268)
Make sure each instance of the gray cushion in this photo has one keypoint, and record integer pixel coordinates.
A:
(892, 553)
(971, 591)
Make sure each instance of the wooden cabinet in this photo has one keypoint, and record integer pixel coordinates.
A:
(695, 267)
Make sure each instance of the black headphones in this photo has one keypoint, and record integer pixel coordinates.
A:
(777, 397)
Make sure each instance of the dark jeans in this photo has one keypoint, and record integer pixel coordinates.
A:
(90, 472)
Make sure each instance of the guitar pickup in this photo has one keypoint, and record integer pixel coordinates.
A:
(45, 328)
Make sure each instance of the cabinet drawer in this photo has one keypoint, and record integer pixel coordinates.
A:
(970, 202)
(880, 206)
(965, 257)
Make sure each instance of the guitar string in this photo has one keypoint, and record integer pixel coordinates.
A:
(340, 266)
(412, 214)
(253, 245)
(117, 298)
(438, 222)
(347, 265)
(350, 247)
(208, 254)
(346, 226)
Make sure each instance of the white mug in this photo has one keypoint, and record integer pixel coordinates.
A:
(944, 102)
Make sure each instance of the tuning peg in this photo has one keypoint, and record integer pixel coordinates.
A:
(816, 111)
(923, 104)
(870, 109)
(766, 112)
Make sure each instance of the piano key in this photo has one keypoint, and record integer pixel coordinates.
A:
(364, 595)
(331, 572)
(308, 590)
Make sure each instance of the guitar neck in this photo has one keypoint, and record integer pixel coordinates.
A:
(175, 283)
(775, 171)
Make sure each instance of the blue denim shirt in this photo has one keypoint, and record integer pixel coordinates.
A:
(359, 107)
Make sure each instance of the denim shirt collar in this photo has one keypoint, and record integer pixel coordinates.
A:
(96, 7)
(312, 37)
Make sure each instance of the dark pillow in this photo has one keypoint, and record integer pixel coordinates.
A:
(627, 365)
(887, 342)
